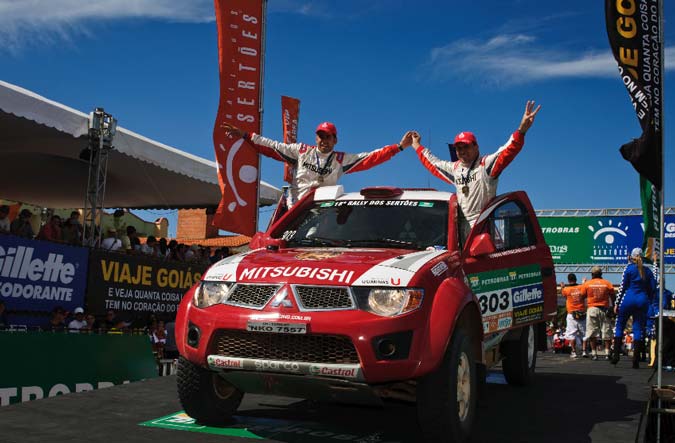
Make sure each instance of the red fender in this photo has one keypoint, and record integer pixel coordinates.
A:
(450, 300)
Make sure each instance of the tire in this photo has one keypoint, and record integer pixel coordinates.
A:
(520, 358)
(446, 398)
(204, 395)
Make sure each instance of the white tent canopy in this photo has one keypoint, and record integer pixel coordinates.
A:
(40, 145)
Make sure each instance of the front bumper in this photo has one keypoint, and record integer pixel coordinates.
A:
(344, 344)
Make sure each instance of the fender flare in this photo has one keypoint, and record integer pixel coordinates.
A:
(454, 305)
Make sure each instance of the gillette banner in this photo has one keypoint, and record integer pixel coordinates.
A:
(38, 276)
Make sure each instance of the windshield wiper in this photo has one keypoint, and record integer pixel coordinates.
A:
(384, 241)
(318, 241)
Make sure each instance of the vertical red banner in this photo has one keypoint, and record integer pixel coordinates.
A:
(290, 116)
(240, 26)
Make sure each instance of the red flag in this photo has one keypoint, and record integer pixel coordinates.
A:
(240, 47)
(290, 115)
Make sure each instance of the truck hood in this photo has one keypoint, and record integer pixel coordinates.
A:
(325, 266)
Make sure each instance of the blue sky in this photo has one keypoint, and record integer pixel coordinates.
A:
(375, 69)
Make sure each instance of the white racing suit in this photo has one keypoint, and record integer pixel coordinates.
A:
(314, 169)
(481, 180)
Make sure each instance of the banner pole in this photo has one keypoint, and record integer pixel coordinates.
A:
(659, 376)
(261, 106)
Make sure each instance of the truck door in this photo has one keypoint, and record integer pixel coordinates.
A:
(508, 265)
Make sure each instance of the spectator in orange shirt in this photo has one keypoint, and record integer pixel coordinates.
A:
(52, 230)
(599, 294)
(576, 314)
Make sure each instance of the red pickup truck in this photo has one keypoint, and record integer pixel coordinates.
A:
(368, 296)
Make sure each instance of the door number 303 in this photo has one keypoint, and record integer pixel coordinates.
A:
(494, 302)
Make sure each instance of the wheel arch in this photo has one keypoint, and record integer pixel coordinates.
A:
(454, 305)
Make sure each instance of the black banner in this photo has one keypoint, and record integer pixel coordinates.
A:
(633, 27)
(138, 284)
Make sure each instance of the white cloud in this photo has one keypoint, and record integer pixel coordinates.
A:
(30, 22)
(44, 12)
(512, 59)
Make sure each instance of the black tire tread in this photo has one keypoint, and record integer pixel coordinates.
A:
(515, 365)
(434, 394)
(198, 398)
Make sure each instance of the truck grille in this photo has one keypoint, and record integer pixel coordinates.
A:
(324, 297)
(253, 296)
(285, 347)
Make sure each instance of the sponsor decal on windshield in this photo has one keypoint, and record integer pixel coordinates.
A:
(377, 203)
(426, 205)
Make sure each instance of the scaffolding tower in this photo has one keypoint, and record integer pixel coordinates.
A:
(101, 133)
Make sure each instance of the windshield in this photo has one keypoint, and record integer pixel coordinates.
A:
(407, 224)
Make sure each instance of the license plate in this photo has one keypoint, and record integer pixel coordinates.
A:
(276, 328)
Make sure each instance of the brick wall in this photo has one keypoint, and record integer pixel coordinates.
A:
(195, 223)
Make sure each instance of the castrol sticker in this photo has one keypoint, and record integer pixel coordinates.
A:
(221, 362)
(343, 371)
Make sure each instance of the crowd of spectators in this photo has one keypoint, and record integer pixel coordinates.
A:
(117, 238)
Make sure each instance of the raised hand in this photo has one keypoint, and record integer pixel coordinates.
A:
(416, 139)
(528, 116)
(406, 140)
(232, 130)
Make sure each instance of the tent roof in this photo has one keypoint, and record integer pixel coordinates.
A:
(40, 144)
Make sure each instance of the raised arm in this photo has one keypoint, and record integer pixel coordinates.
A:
(496, 163)
(270, 148)
(366, 160)
(440, 168)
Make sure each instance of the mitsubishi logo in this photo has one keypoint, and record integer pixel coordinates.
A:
(281, 299)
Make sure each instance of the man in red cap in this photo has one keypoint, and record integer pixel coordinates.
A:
(475, 177)
(318, 165)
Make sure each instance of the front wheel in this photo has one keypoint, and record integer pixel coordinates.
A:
(520, 358)
(206, 396)
(446, 398)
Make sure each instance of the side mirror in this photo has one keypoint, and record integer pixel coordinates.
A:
(263, 240)
(481, 245)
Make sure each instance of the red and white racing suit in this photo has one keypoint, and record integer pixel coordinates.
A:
(481, 180)
(313, 168)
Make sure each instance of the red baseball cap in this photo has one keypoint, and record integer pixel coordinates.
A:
(465, 137)
(327, 127)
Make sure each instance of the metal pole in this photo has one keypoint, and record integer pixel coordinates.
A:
(661, 227)
(260, 102)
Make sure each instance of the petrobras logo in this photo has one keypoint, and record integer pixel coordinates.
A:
(334, 371)
(528, 295)
(18, 262)
(221, 362)
(560, 230)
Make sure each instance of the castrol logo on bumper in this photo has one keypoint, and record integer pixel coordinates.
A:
(221, 362)
(335, 371)
(287, 367)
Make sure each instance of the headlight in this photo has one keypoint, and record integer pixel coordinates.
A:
(391, 302)
(210, 293)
